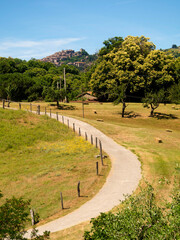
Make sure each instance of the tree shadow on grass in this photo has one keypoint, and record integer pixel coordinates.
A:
(130, 114)
(159, 115)
(64, 107)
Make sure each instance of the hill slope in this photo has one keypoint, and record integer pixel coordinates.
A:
(175, 51)
(40, 157)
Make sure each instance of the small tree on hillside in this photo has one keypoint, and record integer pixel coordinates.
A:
(153, 100)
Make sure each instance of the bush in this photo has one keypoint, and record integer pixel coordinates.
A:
(140, 218)
(14, 214)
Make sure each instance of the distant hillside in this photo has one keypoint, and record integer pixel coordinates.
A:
(175, 51)
(80, 59)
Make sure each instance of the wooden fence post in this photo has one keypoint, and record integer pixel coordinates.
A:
(38, 109)
(78, 189)
(100, 146)
(30, 107)
(45, 111)
(97, 168)
(74, 127)
(3, 103)
(62, 205)
(63, 119)
(50, 113)
(79, 132)
(68, 122)
(96, 142)
(57, 116)
(86, 136)
(32, 217)
(91, 139)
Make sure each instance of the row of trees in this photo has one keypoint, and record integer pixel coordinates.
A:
(126, 69)
(32, 80)
(132, 68)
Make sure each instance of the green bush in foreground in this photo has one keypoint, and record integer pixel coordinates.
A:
(140, 218)
(14, 214)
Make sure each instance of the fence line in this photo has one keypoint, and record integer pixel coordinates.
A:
(56, 116)
(48, 111)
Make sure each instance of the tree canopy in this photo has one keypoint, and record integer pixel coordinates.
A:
(134, 68)
(21, 80)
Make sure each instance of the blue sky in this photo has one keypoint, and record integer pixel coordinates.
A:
(38, 28)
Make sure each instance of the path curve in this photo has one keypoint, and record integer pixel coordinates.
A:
(123, 179)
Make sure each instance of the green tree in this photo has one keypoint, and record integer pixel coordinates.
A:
(174, 94)
(159, 71)
(14, 214)
(153, 99)
(177, 70)
(110, 44)
(135, 68)
(121, 71)
(140, 218)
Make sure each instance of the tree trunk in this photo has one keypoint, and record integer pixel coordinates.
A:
(152, 111)
(57, 103)
(123, 108)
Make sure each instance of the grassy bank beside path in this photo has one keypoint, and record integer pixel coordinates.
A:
(40, 157)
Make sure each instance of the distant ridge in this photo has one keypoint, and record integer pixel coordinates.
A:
(175, 51)
(80, 59)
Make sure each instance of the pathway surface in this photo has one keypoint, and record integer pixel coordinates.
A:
(123, 179)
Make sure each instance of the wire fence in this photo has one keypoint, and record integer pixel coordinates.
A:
(27, 106)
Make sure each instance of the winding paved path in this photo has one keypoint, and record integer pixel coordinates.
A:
(123, 179)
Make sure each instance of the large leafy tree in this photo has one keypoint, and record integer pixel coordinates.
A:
(159, 71)
(121, 71)
(135, 68)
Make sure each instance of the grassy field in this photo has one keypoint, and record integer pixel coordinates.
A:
(139, 133)
(39, 158)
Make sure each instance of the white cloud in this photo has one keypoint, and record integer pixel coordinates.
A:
(36, 49)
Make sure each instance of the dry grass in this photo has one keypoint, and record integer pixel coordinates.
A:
(39, 157)
(137, 132)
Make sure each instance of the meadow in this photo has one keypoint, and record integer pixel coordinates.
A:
(140, 133)
(40, 157)
(160, 160)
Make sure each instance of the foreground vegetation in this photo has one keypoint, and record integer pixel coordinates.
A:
(39, 158)
(139, 218)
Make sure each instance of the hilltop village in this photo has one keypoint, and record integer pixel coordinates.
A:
(80, 59)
